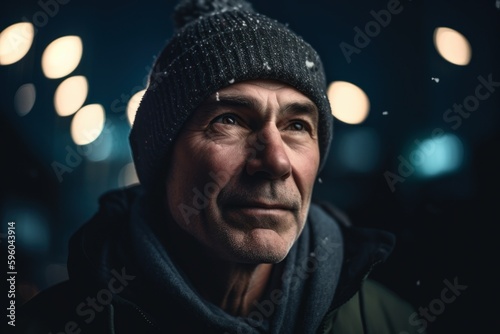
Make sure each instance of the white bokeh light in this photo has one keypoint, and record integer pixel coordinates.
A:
(62, 56)
(133, 104)
(15, 42)
(349, 103)
(452, 46)
(127, 175)
(87, 124)
(70, 95)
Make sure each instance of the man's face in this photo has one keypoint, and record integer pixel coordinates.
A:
(243, 169)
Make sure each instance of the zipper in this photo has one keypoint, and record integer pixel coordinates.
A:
(145, 317)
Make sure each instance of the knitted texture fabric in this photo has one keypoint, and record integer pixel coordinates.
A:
(216, 44)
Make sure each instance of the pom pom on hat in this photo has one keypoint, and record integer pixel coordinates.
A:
(189, 10)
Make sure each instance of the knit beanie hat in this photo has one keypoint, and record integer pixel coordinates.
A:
(218, 43)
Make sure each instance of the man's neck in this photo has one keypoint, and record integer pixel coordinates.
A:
(234, 287)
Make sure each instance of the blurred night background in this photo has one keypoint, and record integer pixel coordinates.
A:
(418, 158)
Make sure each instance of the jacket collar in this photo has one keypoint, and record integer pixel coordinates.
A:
(364, 248)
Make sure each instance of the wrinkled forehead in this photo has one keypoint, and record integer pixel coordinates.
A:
(256, 94)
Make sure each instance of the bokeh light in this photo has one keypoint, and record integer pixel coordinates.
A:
(70, 95)
(101, 148)
(62, 56)
(15, 42)
(24, 99)
(87, 124)
(133, 104)
(349, 103)
(359, 150)
(437, 156)
(32, 230)
(452, 46)
(127, 175)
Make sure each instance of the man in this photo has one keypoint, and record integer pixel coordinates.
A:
(221, 236)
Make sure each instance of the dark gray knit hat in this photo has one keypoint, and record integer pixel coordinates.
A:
(218, 43)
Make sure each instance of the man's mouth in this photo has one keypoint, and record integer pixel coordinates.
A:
(263, 205)
(260, 205)
(261, 213)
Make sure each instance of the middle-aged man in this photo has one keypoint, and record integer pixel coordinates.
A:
(221, 235)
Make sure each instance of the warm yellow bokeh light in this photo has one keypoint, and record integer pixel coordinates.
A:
(70, 95)
(87, 124)
(133, 104)
(349, 103)
(452, 46)
(15, 42)
(24, 100)
(62, 56)
(127, 175)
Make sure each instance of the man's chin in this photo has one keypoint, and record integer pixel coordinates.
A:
(261, 246)
(259, 258)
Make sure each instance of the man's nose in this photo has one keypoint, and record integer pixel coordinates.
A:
(267, 155)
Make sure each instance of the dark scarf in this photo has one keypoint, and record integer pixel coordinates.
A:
(160, 298)
(302, 293)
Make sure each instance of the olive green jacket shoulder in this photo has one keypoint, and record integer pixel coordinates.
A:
(373, 309)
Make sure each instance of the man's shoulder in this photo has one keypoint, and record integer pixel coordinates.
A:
(380, 302)
(378, 296)
(375, 306)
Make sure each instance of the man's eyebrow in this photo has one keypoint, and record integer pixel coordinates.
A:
(235, 101)
(303, 108)
(247, 102)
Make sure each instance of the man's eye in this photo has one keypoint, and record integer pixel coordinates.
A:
(297, 126)
(226, 119)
